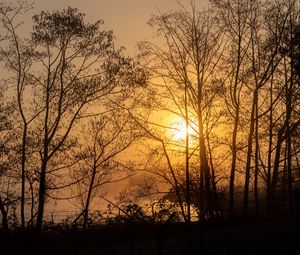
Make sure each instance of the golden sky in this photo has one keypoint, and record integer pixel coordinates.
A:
(127, 18)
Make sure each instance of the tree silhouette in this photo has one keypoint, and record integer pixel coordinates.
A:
(226, 78)
(185, 68)
(70, 65)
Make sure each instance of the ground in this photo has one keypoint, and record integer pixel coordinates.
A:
(268, 237)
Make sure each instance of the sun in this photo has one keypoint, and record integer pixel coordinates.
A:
(178, 127)
(179, 131)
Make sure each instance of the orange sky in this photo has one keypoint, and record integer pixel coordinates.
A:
(127, 18)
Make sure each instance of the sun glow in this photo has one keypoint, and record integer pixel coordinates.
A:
(179, 129)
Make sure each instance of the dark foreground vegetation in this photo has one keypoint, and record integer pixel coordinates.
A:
(276, 233)
(241, 236)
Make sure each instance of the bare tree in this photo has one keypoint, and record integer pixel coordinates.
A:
(184, 68)
(288, 122)
(18, 56)
(234, 20)
(255, 45)
(65, 66)
(105, 138)
(80, 66)
(264, 61)
(5, 137)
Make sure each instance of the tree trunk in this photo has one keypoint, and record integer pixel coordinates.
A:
(288, 95)
(249, 153)
(187, 173)
(268, 188)
(289, 145)
(204, 172)
(256, 161)
(4, 216)
(272, 191)
(213, 176)
(88, 199)
(233, 163)
(23, 176)
(42, 193)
